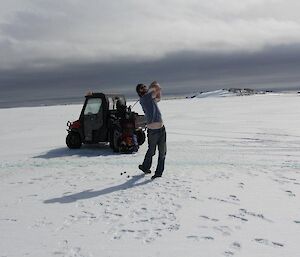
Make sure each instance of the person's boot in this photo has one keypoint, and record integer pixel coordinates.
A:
(143, 170)
(155, 176)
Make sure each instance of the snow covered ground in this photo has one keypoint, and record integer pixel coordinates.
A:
(231, 185)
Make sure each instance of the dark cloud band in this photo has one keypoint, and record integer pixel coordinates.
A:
(182, 72)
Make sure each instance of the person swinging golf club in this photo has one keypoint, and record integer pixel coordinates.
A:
(156, 131)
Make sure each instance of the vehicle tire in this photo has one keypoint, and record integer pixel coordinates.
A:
(73, 140)
(141, 137)
(115, 139)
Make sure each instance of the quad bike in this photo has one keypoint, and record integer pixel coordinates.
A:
(106, 118)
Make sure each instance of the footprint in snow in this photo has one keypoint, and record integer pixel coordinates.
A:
(192, 237)
(241, 185)
(228, 253)
(233, 198)
(268, 243)
(66, 250)
(223, 200)
(238, 217)
(196, 238)
(207, 218)
(204, 217)
(225, 230)
(207, 238)
(244, 212)
(10, 220)
(127, 230)
(290, 193)
(36, 179)
(173, 227)
(235, 245)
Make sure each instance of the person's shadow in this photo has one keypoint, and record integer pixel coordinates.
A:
(90, 193)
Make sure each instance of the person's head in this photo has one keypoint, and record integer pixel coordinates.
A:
(141, 89)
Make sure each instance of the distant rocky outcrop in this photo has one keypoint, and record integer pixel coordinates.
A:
(244, 91)
(226, 93)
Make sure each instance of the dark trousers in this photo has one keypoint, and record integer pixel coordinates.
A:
(156, 137)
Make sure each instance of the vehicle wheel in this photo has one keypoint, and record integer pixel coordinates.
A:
(141, 137)
(115, 139)
(73, 140)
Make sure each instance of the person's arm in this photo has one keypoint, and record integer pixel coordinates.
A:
(156, 92)
(151, 92)
(158, 96)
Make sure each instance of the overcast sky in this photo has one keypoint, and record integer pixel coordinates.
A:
(68, 46)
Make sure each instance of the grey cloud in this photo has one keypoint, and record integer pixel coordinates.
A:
(178, 72)
(59, 32)
(34, 26)
(54, 48)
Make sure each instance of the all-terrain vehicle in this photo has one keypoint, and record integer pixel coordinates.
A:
(106, 118)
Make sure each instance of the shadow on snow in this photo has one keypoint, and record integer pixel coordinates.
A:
(85, 150)
(91, 194)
